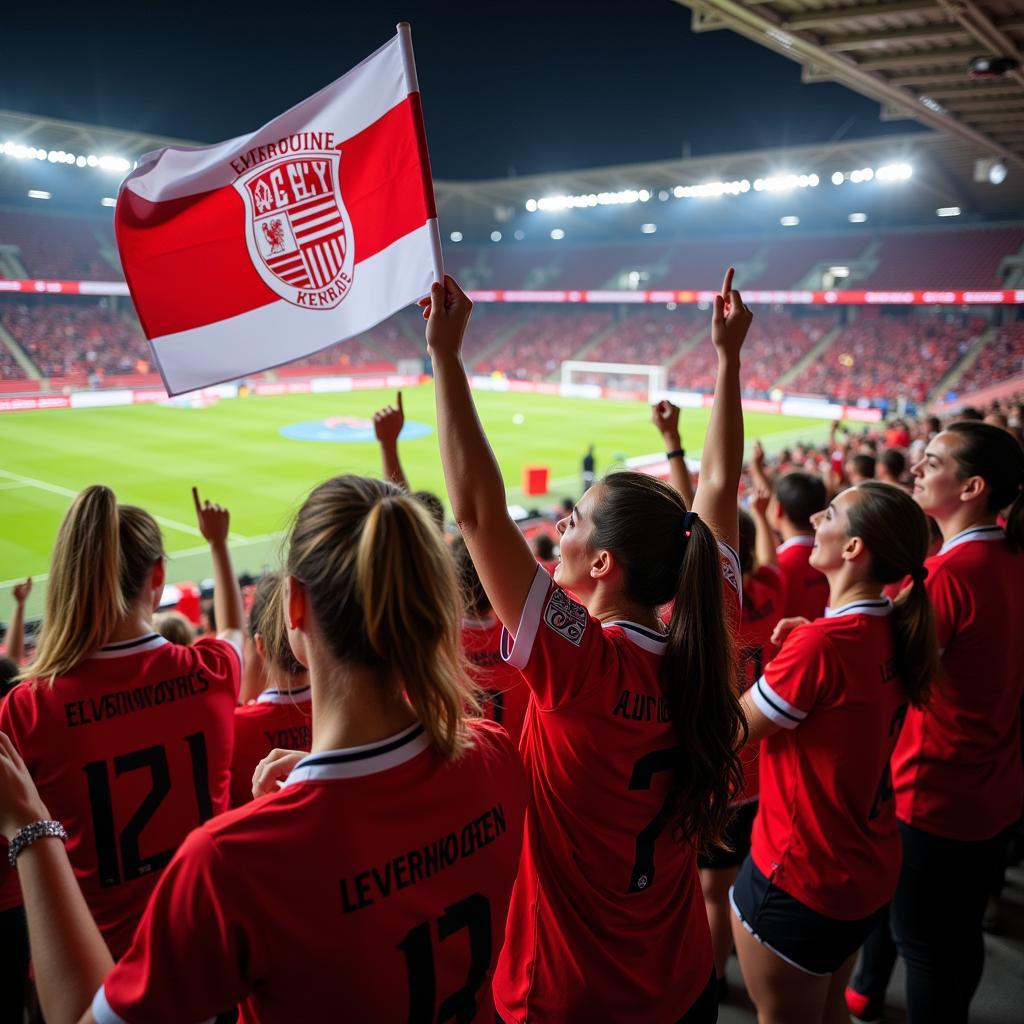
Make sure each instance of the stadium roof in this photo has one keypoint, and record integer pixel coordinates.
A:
(910, 55)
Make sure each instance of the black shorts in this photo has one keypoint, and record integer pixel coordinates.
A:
(737, 835)
(802, 937)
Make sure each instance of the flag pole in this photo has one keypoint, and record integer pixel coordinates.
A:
(412, 83)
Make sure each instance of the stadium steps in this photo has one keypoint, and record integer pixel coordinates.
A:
(686, 346)
(20, 355)
(108, 252)
(11, 266)
(970, 358)
(815, 353)
(497, 341)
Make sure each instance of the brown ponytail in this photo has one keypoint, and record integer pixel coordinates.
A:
(640, 521)
(996, 456)
(101, 558)
(896, 533)
(383, 590)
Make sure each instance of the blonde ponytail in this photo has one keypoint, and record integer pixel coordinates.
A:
(100, 560)
(384, 592)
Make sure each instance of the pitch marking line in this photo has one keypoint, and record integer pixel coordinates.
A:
(172, 524)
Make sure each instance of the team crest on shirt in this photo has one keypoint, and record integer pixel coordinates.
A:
(565, 616)
(298, 230)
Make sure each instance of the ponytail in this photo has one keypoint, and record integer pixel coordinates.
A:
(410, 596)
(382, 588)
(701, 659)
(896, 533)
(101, 557)
(996, 456)
(643, 523)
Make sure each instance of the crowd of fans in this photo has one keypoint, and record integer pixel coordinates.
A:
(1001, 359)
(63, 248)
(776, 707)
(877, 356)
(77, 341)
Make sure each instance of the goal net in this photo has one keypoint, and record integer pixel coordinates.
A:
(648, 382)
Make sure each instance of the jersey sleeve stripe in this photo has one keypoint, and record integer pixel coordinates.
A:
(732, 575)
(772, 706)
(103, 1012)
(516, 650)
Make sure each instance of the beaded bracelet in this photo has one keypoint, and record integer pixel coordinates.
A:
(26, 836)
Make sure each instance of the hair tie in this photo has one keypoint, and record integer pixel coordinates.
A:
(688, 521)
(920, 575)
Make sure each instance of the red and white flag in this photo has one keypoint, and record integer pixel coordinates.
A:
(271, 246)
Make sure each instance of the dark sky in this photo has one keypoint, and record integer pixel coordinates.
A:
(507, 87)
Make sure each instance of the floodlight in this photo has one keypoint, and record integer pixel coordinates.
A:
(456, 236)
(948, 211)
(648, 229)
(789, 222)
(519, 235)
(35, 193)
(557, 234)
(857, 218)
(108, 201)
(495, 236)
(838, 177)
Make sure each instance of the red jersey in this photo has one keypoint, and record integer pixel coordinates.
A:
(957, 766)
(764, 592)
(826, 831)
(607, 920)
(374, 885)
(277, 718)
(130, 751)
(806, 588)
(506, 692)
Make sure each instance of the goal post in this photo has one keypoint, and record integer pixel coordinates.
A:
(648, 381)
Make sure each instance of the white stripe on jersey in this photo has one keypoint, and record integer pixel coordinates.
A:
(880, 606)
(354, 762)
(103, 1013)
(516, 650)
(973, 533)
(774, 707)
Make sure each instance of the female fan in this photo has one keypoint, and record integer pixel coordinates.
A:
(374, 882)
(825, 850)
(631, 736)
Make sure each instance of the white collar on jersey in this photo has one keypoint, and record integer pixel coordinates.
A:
(803, 540)
(353, 762)
(642, 636)
(877, 606)
(297, 696)
(147, 642)
(992, 532)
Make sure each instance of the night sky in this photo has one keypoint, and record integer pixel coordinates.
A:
(507, 87)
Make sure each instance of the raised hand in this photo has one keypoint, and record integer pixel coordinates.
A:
(446, 311)
(786, 626)
(760, 500)
(273, 770)
(20, 802)
(388, 422)
(730, 319)
(758, 456)
(214, 521)
(665, 416)
(22, 590)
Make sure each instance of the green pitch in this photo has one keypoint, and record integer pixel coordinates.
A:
(152, 454)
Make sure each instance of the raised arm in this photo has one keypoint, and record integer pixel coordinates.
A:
(764, 541)
(214, 523)
(16, 627)
(722, 459)
(665, 416)
(758, 470)
(69, 957)
(475, 488)
(387, 425)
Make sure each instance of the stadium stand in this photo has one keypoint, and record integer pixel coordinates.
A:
(66, 247)
(787, 262)
(777, 341)
(968, 258)
(538, 348)
(10, 369)
(1001, 359)
(878, 356)
(648, 337)
(71, 340)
